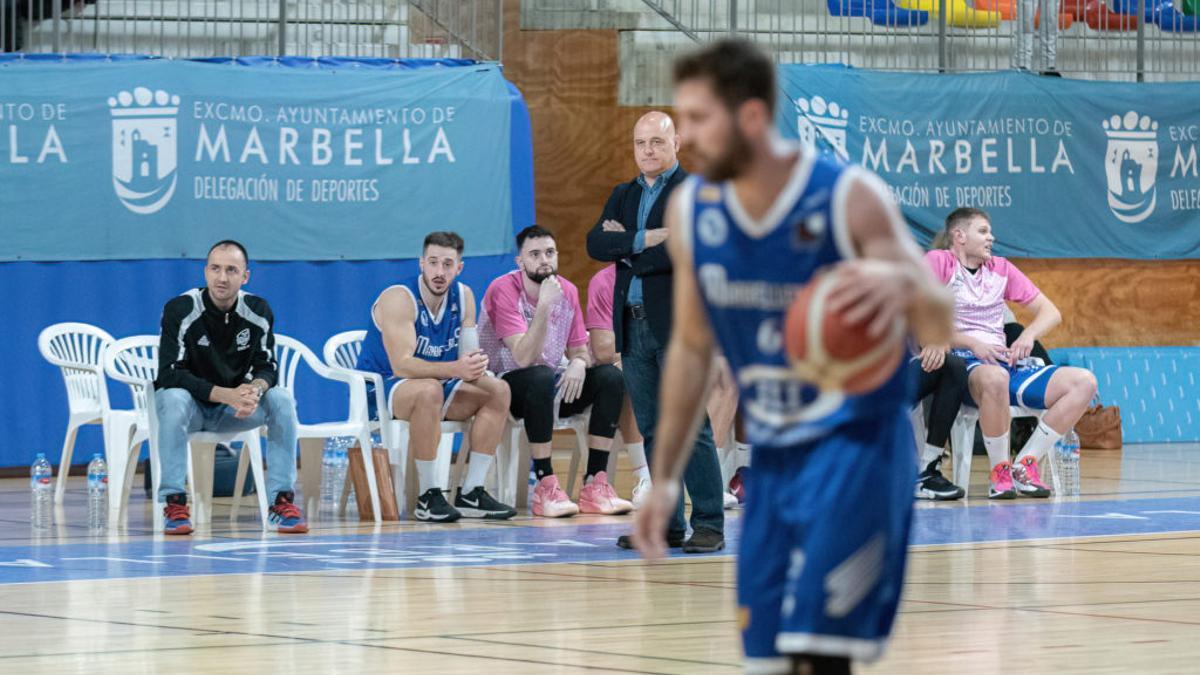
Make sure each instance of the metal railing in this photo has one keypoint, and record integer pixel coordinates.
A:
(1094, 41)
(204, 28)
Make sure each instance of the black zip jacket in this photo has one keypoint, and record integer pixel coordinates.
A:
(201, 346)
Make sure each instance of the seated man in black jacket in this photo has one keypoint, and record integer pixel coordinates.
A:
(217, 372)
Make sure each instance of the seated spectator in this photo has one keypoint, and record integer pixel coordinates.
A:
(216, 372)
(531, 325)
(602, 341)
(413, 342)
(944, 376)
(722, 401)
(722, 409)
(998, 375)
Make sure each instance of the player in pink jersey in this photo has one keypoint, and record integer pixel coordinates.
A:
(722, 402)
(999, 375)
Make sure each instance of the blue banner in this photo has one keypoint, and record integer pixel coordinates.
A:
(299, 159)
(1066, 168)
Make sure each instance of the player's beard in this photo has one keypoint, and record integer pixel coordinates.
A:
(429, 287)
(731, 163)
(537, 276)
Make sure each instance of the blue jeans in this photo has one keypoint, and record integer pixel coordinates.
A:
(642, 361)
(179, 415)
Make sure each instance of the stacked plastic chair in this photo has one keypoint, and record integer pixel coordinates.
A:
(958, 13)
(880, 12)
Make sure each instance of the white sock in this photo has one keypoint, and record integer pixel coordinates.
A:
(477, 471)
(637, 457)
(930, 453)
(425, 475)
(743, 454)
(997, 449)
(1040, 442)
(728, 459)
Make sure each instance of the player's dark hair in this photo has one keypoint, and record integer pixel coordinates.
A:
(445, 240)
(533, 232)
(737, 70)
(232, 244)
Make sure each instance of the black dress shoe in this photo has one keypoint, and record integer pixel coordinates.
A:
(1051, 73)
(704, 541)
(674, 540)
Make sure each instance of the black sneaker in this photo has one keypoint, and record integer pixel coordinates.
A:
(932, 485)
(704, 541)
(674, 540)
(432, 507)
(479, 504)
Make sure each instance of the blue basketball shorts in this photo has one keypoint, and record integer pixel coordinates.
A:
(824, 542)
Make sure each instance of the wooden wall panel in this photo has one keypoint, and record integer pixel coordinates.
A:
(1120, 302)
(583, 147)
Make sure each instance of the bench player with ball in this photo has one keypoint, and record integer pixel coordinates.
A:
(803, 273)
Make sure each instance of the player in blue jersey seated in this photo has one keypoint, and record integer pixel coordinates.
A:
(829, 502)
(413, 340)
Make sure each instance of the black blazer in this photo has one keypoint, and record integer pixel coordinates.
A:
(652, 265)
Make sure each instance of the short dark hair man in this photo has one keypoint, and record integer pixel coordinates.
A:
(415, 342)
(217, 372)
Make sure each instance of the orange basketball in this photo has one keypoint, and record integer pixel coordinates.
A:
(832, 354)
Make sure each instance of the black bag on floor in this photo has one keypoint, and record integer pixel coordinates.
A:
(224, 473)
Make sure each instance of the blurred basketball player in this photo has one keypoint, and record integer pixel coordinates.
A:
(829, 502)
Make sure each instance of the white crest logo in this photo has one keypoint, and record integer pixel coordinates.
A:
(1131, 166)
(243, 338)
(818, 118)
(712, 227)
(143, 141)
(203, 341)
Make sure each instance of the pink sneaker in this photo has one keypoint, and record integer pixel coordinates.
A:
(549, 501)
(1002, 483)
(600, 497)
(1026, 479)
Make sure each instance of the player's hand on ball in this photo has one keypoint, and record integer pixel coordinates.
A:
(650, 521)
(873, 291)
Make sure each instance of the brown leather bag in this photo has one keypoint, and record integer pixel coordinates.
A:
(383, 481)
(1100, 427)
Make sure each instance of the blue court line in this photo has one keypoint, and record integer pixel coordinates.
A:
(452, 547)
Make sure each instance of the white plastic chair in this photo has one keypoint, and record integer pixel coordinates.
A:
(962, 442)
(134, 361)
(78, 351)
(289, 353)
(341, 354)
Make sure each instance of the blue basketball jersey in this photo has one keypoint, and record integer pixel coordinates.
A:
(437, 336)
(749, 272)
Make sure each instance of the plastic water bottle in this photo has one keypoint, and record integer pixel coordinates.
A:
(42, 499)
(97, 482)
(328, 475)
(342, 461)
(1066, 465)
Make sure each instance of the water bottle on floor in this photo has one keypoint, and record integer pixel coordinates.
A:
(342, 461)
(97, 482)
(1066, 465)
(42, 497)
(328, 477)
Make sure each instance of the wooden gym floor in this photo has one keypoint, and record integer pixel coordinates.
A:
(1109, 582)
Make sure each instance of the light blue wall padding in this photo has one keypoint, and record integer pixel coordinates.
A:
(1157, 388)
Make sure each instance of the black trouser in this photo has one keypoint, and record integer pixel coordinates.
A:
(948, 385)
(533, 400)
